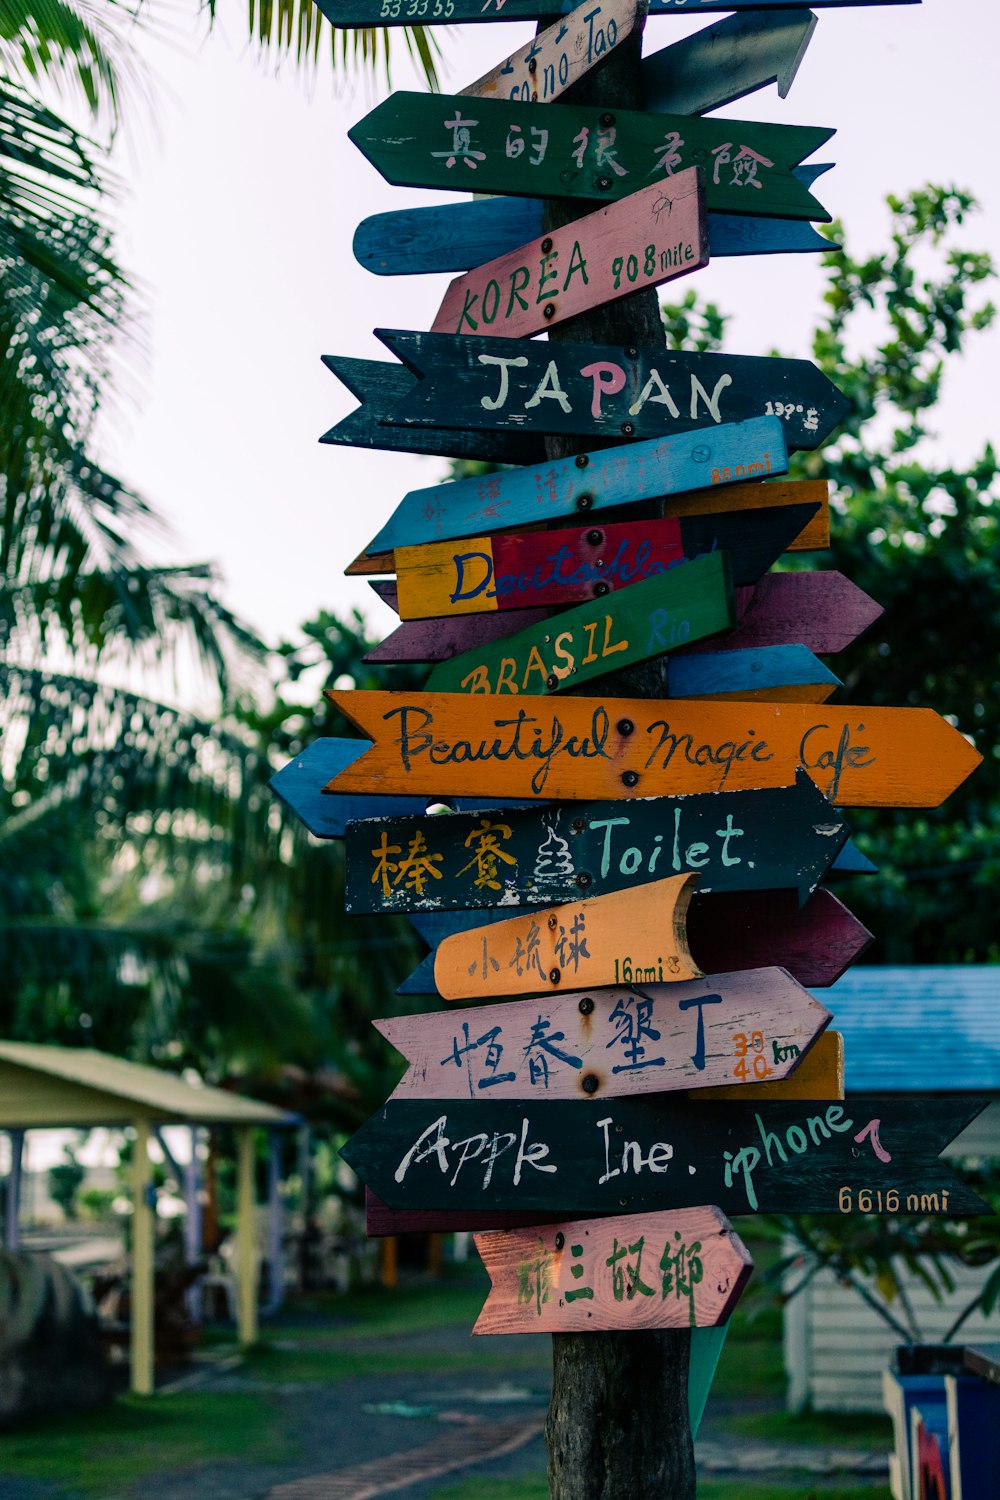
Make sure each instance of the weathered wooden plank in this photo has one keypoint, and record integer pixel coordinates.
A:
(727, 61)
(784, 839)
(586, 484)
(599, 390)
(819, 1074)
(480, 575)
(578, 151)
(782, 674)
(559, 56)
(451, 743)
(758, 495)
(379, 13)
(459, 236)
(649, 1152)
(744, 930)
(612, 939)
(734, 1029)
(821, 610)
(658, 234)
(590, 1275)
(378, 386)
(635, 624)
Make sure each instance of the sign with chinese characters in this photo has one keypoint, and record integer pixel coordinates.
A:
(627, 937)
(558, 57)
(453, 743)
(597, 390)
(588, 483)
(379, 13)
(579, 151)
(725, 931)
(617, 630)
(458, 236)
(784, 838)
(670, 1270)
(731, 1029)
(869, 1154)
(656, 235)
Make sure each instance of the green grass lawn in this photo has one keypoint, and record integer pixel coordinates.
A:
(535, 1488)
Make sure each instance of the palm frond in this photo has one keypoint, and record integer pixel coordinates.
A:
(299, 27)
(75, 46)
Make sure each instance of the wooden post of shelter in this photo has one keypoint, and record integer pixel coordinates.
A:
(618, 1420)
(246, 1249)
(275, 1225)
(143, 1247)
(12, 1205)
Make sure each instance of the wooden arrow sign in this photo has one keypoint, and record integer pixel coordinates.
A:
(588, 483)
(636, 624)
(823, 611)
(669, 1270)
(615, 939)
(578, 151)
(380, 13)
(727, 61)
(732, 1029)
(380, 386)
(656, 235)
(451, 743)
(534, 856)
(560, 56)
(726, 931)
(480, 575)
(458, 236)
(595, 390)
(649, 1152)
(781, 674)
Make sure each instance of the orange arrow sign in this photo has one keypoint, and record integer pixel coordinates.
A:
(446, 744)
(684, 1269)
(627, 937)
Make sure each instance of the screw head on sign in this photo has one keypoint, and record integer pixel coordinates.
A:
(586, 1006)
(549, 310)
(600, 589)
(555, 975)
(578, 825)
(553, 919)
(595, 537)
(584, 879)
(628, 428)
(630, 778)
(532, 66)
(552, 682)
(625, 726)
(591, 1083)
(582, 460)
(607, 120)
(546, 246)
(584, 502)
(632, 352)
(604, 183)
(560, 1240)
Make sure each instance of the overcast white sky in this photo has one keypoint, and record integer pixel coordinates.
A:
(241, 210)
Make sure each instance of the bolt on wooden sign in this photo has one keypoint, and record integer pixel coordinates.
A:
(730, 1029)
(673, 1270)
(785, 838)
(598, 390)
(654, 236)
(635, 747)
(572, 151)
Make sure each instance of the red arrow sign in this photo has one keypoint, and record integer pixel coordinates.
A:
(653, 236)
(684, 1269)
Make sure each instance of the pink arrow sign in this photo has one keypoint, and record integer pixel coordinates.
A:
(680, 1269)
(652, 236)
(750, 1027)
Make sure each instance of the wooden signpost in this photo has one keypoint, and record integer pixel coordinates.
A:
(503, 146)
(781, 674)
(870, 1154)
(558, 57)
(596, 390)
(580, 942)
(728, 60)
(635, 624)
(725, 932)
(674, 1270)
(783, 839)
(588, 483)
(730, 1029)
(632, 747)
(379, 13)
(656, 235)
(458, 236)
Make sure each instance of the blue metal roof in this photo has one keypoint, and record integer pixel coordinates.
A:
(919, 1028)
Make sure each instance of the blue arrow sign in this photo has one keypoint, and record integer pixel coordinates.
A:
(764, 672)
